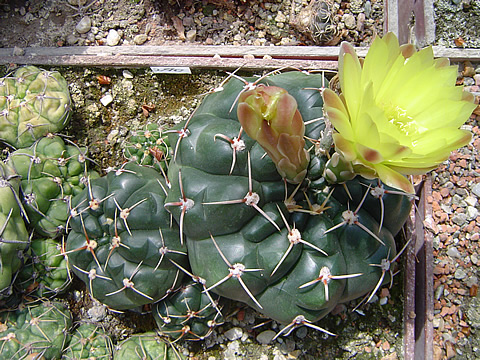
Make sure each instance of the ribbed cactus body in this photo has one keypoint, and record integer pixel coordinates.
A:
(149, 147)
(122, 239)
(146, 346)
(14, 237)
(292, 252)
(33, 103)
(52, 172)
(46, 271)
(189, 313)
(89, 342)
(39, 331)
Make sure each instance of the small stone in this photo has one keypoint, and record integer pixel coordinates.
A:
(107, 99)
(140, 39)
(302, 332)
(71, 39)
(97, 312)
(453, 252)
(280, 18)
(266, 337)
(468, 69)
(18, 51)
(349, 21)
(460, 219)
(127, 74)
(360, 22)
(113, 135)
(460, 274)
(113, 37)
(472, 212)
(474, 259)
(476, 189)
(471, 200)
(476, 77)
(84, 25)
(234, 333)
(191, 35)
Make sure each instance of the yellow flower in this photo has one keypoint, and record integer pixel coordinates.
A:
(399, 112)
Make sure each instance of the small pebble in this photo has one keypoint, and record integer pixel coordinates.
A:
(234, 333)
(453, 252)
(191, 35)
(84, 25)
(266, 337)
(127, 74)
(113, 38)
(349, 21)
(107, 99)
(460, 274)
(140, 39)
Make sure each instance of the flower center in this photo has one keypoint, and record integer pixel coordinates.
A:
(399, 117)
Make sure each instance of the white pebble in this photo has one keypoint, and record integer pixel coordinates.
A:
(107, 99)
(113, 38)
(234, 333)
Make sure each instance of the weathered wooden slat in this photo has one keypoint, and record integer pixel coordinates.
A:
(201, 57)
(132, 61)
(291, 52)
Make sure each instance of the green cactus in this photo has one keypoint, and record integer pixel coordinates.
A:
(258, 217)
(46, 272)
(14, 238)
(146, 346)
(33, 103)
(89, 342)
(188, 313)
(37, 331)
(123, 244)
(52, 173)
(148, 147)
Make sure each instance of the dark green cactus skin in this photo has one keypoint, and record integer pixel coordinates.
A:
(52, 172)
(89, 342)
(188, 313)
(14, 238)
(396, 205)
(148, 147)
(146, 346)
(136, 270)
(239, 252)
(33, 103)
(46, 272)
(41, 331)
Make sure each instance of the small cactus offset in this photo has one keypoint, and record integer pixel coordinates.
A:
(188, 313)
(52, 172)
(148, 147)
(46, 272)
(33, 103)
(89, 342)
(38, 331)
(14, 238)
(146, 346)
(258, 217)
(122, 242)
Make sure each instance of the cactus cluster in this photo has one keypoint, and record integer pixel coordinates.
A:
(33, 103)
(243, 209)
(245, 200)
